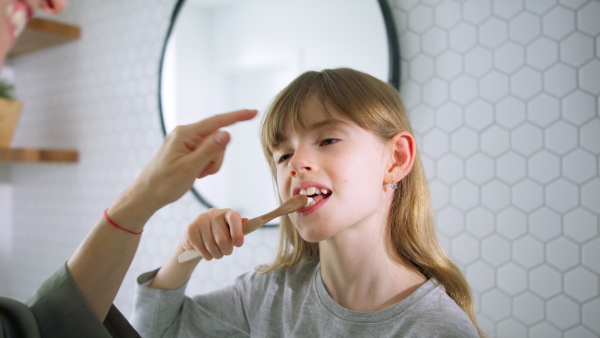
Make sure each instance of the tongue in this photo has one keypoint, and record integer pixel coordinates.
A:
(317, 198)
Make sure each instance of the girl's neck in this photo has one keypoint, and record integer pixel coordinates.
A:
(360, 274)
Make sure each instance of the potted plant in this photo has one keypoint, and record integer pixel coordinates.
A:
(10, 110)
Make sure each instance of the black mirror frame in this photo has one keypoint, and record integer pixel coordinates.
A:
(393, 75)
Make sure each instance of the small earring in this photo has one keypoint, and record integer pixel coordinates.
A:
(394, 185)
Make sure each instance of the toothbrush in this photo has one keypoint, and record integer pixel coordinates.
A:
(292, 205)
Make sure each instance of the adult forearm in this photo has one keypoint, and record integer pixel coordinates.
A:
(100, 263)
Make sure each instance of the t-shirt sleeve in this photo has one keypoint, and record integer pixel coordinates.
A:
(61, 309)
(171, 313)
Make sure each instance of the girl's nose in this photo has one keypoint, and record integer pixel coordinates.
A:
(300, 163)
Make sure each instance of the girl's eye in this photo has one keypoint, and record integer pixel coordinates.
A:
(328, 141)
(283, 158)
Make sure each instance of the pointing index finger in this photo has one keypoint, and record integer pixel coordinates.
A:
(213, 123)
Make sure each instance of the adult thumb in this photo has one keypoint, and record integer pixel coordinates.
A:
(211, 148)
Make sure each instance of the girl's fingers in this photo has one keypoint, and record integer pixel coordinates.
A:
(235, 227)
(210, 244)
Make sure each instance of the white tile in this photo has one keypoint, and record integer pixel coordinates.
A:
(579, 108)
(580, 225)
(435, 143)
(495, 140)
(542, 53)
(435, 41)
(526, 83)
(562, 312)
(493, 32)
(544, 330)
(511, 223)
(590, 315)
(543, 110)
(450, 169)
(529, 308)
(496, 305)
(480, 222)
(410, 44)
(577, 49)
(464, 142)
(590, 194)
(479, 114)
(464, 195)
(579, 332)
(449, 116)
(524, 27)
(447, 14)
(581, 284)
(478, 61)
(440, 194)
(450, 221)
(449, 64)
(476, 11)
(435, 92)
(511, 167)
(528, 252)
(422, 119)
(527, 139)
(509, 57)
(579, 166)
(589, 76)
(462, 37)
(420, 18)
(544, 166)
(545, 224)
(465, 248)
(463, 89)
(493, 86)
(562, 195)
(480, 168)
(510, 112)
(527, 195)
(512, 279)
(481, 276)
(558, 23)
(495, 250)
(562, 253)
(421, 68)
(507, 9)
(545, 281)
(587, 18)
(561, 137)
(540, 6)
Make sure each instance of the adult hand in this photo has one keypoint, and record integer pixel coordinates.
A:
(188, 152)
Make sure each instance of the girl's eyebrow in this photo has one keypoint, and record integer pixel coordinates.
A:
(315, 126)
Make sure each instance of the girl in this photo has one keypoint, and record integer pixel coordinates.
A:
(363, 260)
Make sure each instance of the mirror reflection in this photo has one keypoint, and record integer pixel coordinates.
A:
(223, 55)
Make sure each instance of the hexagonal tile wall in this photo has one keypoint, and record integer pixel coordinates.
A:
(523, 163)
(504, 97)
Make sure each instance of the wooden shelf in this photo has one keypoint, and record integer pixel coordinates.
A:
(43, 33)
(30, 155)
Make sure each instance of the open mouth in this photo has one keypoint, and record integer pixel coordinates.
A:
(315, 195)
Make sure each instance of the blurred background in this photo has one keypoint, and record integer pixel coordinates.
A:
(504, 100)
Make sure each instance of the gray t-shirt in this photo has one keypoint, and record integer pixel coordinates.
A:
(292, 302)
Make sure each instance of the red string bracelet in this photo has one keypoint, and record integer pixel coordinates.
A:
(118, 226)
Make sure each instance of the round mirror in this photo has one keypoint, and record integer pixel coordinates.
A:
(223, 55)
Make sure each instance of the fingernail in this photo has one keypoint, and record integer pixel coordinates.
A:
(238, 243)
(221, 138)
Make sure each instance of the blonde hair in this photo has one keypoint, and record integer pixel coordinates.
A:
(376, 106)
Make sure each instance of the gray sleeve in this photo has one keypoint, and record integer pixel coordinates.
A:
(160, 313)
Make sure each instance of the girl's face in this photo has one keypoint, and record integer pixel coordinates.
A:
(342, 165)
(16, 13)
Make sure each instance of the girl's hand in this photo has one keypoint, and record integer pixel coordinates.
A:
(188, 152)
(214, 233)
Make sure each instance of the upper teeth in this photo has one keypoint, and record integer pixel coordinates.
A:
(312, 191)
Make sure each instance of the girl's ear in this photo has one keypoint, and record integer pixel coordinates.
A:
(404, 149)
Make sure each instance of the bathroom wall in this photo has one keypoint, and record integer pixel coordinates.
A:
(503, 96)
